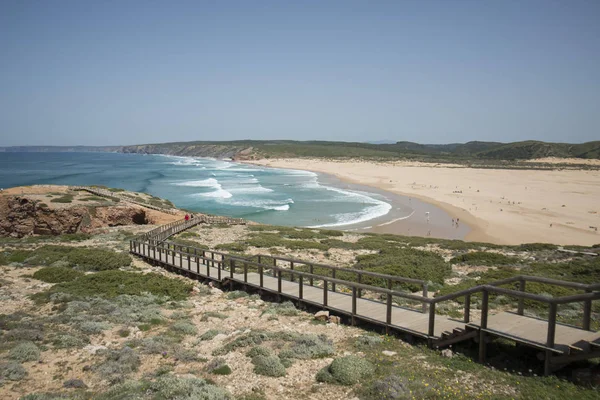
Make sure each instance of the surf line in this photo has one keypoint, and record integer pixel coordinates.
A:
(397, 219)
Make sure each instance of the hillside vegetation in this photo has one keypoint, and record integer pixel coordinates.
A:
(467, 152)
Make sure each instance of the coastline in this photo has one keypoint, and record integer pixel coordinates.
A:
(500, 206)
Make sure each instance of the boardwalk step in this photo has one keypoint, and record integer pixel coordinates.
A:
(595, 345)
(446, 334)
(575, 349)
(458, 331)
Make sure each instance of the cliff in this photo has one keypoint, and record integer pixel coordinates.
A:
(55, 210)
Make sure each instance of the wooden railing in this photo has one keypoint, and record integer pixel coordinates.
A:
(107, 193)
(230, 266)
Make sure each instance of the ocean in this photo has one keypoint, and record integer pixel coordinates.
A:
(266, 195)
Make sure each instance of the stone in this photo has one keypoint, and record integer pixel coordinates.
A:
(389, 353)
(333, 319)
(447, 353)
(322, 315)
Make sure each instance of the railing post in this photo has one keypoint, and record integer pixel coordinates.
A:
(587, 312)
(197, 265)
(292, 268)
(300, 287)
(425, 294)
(431, 329)
(522, 283)
(259, 259)
(324, 292)
(333, 283)
(388, 313)
(260, 273)
(550, 338)
(483, 325)
(310, 271)
(180, 257)
(359, 294)
(231, 268)
(353, 305)
(279, 281)
(245, 272)
(467, 308)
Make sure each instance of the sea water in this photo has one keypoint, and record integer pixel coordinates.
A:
(267, 195)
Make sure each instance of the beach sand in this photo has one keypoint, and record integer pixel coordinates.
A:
(500, 206)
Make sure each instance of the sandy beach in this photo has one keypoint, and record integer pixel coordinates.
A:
(500, 206)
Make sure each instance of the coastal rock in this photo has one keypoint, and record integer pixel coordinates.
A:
(333, 319)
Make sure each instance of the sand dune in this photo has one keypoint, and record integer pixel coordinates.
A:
(501, 206)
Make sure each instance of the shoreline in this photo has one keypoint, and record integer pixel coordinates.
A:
(500, 206)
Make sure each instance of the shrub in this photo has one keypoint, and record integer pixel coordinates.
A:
(57, 274)
(404, 262)
(185, 355)
(218, 366)
(26, 351)
(213, 314)
(392, 387)
(184, 327)
(329, 232)
(309, 346)
(171, 387)
(347, 370)
(259, 351)
(93, 327)
(268, 366)
(96, 259)
(366, 341)
(234, 246)
(285, 309)
(118, 363)
(236, 294)
(63, 341)
(74, 384)
(209, 334)
(67, 198)
(12, 371)
(484, 258)
(536, 246)
(115, 283)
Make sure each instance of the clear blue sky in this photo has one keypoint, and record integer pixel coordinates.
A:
(127, 72)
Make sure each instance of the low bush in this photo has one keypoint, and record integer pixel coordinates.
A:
(213, 314)
(57, 274)
(26, 351)
(218, 366)
(209, 334)
(484, 258)
(74, 384)
(111, 284)
(392, 387)
(366, 341)
(259, 351)
(12, 371)
(404, 262)
(184, 328)
(67, 198)
(65, 341)
(347, 370)
(236, 294)
(182, 354)
(118, 363)
(234, 246)
(87, 259)
(309, 346)
(268, 366)
(93, 327)
(536, 246)
(286, 308)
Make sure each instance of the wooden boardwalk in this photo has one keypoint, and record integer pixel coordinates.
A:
(559, 343)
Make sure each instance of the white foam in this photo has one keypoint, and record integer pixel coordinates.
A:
(250, 189)
(397, 219)
(285, 207)
(219, 193)
(210, 182)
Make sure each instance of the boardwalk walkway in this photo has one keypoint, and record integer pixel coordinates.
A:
(559, 343)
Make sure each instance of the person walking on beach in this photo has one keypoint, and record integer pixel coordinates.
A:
(187, 217)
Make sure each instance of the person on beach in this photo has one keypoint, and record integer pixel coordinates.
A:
(187, 217)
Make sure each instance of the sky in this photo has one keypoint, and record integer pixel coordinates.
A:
(131, 72)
